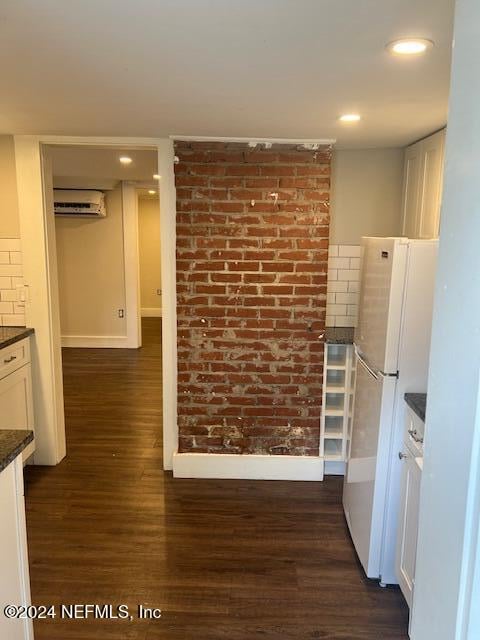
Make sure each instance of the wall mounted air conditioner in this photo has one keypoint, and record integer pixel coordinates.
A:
(79, 203)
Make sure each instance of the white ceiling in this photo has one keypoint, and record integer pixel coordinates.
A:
(100, 168)
(253, 68)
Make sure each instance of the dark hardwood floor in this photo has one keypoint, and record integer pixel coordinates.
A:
(224, 560)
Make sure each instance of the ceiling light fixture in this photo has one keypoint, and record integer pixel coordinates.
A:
(152, 192)
(350, 117)
(156, 176)
(125, 160)
(409, 46)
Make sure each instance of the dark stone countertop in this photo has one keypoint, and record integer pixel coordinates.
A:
(418, 403)
(12, 443)
(339, 335)
(9, 335)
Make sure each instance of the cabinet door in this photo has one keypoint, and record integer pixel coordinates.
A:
(16, 400)
(412, 190)
(16, 403)
(15, 583)
(408, 526)
(431, 185)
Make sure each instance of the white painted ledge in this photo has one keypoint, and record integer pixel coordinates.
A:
(247, 467)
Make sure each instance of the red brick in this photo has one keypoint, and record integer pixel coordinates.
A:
(235, 323)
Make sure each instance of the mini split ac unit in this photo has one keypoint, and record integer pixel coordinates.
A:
(79, 203)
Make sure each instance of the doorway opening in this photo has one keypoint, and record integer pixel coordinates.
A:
(106, 211)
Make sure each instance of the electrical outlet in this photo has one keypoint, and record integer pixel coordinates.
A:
(121, 313)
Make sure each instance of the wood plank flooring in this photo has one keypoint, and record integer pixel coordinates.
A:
(224, 560)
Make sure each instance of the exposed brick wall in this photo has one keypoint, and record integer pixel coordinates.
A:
(251, 296)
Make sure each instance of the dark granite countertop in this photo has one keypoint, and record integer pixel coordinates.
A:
(9, 335)
(12, 443)
(339, 335)
(418, 403)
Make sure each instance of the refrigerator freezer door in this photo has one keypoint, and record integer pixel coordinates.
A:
(381, 298)
(367, 466)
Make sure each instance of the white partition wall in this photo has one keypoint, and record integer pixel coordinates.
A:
(447, 581)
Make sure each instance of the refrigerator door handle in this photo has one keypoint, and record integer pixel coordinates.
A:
(375, 374)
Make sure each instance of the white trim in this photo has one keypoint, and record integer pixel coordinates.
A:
(247, 467)
(168, 241)
(151, 312)
(37, 231)
(335, 468)
(96, 342)
(40, 275)
(131, 266)
(299, 141)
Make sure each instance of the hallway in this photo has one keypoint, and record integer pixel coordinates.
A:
(229, 560)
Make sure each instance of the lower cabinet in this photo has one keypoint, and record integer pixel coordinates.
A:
(15, 582)
(16, 400)
(408, 524)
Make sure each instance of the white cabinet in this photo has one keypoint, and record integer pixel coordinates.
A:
(408, 525)
(16, 401)
(412, 458)
(422, 188)
(14, 579)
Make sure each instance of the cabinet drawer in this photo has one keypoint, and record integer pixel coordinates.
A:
(14, 356)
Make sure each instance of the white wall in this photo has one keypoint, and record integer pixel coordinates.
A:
(9, 224)
(149, 251)
(366, 194)
(91, 273)
(447, 582)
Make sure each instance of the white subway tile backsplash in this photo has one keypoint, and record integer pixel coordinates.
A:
(12, 312)
(343, 285)
(8, 295)
(332, 274)
(6, 307)
(349, 250)
(336, 309)
(13, 320)
(16, 257)
(333, 250)
(335, 286)
(10, 244)
(11, 270)
(348, 274)
(339, 263)
(346, 298)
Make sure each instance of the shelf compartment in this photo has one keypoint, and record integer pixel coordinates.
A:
(333, 449)
(333, 426)
(336, 356)
(335, 381)
(334, 401)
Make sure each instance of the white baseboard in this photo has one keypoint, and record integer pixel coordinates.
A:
(333, 468)
(96, 342)
(247, 467)
(151, 312)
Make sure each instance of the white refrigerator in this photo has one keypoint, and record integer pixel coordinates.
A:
(392, 343)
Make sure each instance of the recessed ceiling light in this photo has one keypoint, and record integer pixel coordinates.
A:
(152, 192)
(409, 46)
(350, 117)
(125, 160)
(156, 176)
